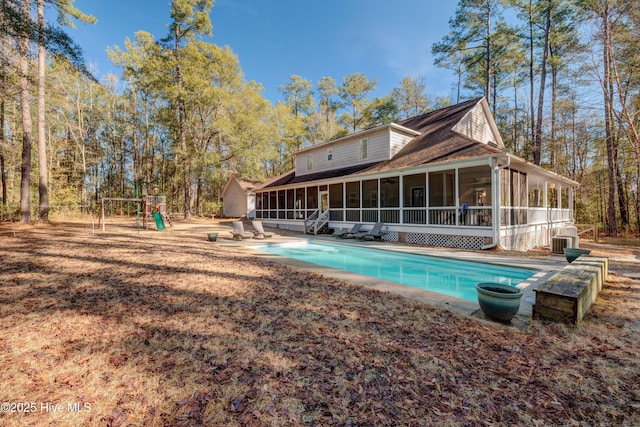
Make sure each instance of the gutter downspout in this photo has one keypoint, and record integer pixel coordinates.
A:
(495, 197)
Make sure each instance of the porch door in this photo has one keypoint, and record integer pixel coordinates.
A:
(324, 201)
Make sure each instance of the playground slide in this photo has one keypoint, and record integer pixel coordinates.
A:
(159, 221)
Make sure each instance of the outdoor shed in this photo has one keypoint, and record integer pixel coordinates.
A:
(238, 198)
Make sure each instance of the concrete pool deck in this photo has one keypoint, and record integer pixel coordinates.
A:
(544, 267)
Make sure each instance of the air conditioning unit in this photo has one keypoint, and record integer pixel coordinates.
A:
(559, 243)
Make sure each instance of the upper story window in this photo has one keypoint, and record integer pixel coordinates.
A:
(363, 149)
(329, 154)
(309, 162)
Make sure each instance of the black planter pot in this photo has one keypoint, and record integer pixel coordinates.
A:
(212, 237)
(499, 301)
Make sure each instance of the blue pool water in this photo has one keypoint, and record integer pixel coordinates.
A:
(442, 275)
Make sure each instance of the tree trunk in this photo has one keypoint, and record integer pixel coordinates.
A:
(487, 89)
(183, 137)
(609, 138)
(199, 184)
(3, 176)
(25, 167)
(637, 198)
(515, 117)
(531, 76)
(537, 151)
(554, 95)
(622, 195)
(43, 185)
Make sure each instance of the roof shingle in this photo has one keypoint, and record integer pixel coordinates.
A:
(437, 142)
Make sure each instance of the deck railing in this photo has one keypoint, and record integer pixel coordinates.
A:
(473, 216)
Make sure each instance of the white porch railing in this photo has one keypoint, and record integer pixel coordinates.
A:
(475, 216)
(545, 215)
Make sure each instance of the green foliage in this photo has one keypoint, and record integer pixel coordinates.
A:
(410, 97)
(183, 117)
(299, 96)
(380, 112)
(354, 93)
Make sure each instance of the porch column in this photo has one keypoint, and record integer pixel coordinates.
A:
(401, 198)
(559, 197)
(571, 202)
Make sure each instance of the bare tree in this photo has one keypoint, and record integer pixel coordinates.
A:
(25, 167)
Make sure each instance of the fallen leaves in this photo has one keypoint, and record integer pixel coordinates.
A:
(159, 328)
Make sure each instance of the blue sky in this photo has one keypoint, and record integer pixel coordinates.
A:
(277, 38)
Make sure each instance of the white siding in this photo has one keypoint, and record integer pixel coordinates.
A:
(476, 126)
(398, 141)
(234, 201)
(346, 153)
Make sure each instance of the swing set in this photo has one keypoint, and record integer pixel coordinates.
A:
(146, 208)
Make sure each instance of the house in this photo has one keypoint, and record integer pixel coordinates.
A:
(443, 178)
(238, 198)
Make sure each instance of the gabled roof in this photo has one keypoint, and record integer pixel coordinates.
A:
(246, 185)
(395, 126)
(438, 141)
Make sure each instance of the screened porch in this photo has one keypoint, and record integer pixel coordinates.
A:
(453, 197)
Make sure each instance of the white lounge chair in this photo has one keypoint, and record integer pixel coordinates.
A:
(258, 230)
(238, 231)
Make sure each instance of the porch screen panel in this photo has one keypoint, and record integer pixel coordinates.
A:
(514, 197)
(300, 205)
(474, 189)
(475, 186)
(442, 188)
(259, 205)
(564, 198)
(265, 204)
(370, 193)
(505, 199)
(273, 204)
(336, 202)
(370, 200)
(552, 198)
(513, 194)
(523, 200)
(504, 188)
(312, 200)
(353, 201)
(281, 209)
(390, 198)
(442, 209)
(414, 199)
(290, 203)
(535, 197)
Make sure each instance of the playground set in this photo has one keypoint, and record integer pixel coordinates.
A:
(152, 209)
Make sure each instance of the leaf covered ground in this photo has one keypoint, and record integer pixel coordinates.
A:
(150, 328)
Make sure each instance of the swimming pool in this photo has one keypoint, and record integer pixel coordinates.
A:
(437, 274)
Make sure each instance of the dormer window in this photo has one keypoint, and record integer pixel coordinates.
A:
(329, 154)
(363, 149)
(309, 162)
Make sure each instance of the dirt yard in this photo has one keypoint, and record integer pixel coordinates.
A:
(165, 328)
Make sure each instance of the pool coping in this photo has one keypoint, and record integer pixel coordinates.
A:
(545, 268)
